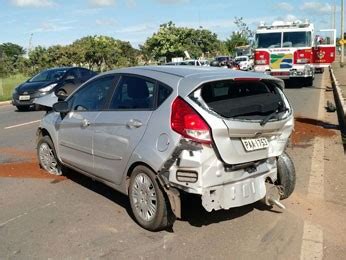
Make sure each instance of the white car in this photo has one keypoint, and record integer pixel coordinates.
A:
(190, 63)
(245, 63)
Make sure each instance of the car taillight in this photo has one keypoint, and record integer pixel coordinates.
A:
(187, 122)
(302, 56)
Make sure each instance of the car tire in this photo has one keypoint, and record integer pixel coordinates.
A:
(309, 81)
(149, 204)
(23, 108)
(286, 175)
(46, 155)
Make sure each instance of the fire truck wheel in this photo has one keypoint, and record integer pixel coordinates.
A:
(309, 81)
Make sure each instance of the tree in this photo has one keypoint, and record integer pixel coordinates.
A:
(240, 37)
(38, 59)
(11, 58)
(11, 50)
(104, 52)
(171, 41)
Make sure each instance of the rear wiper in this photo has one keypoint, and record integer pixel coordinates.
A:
(270, 116)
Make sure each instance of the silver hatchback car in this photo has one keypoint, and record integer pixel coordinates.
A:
(154, 132)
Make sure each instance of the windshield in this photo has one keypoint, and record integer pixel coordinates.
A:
(297, 39)
(49, 75)
(268, 40)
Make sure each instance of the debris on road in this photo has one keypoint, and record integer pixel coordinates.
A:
(26, 167)
(306, 129)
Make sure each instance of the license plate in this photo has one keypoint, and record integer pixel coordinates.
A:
(252, 144)
(26, 97)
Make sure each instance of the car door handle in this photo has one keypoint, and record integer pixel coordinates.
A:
(133, 123)
(85, 123)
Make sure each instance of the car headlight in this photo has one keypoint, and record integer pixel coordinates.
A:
(14, 91)
(48, 88)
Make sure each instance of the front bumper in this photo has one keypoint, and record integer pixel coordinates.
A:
(33, 96)
(298, 71)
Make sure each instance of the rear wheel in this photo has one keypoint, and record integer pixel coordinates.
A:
(148, 203)
(47, 156)
(286, 175)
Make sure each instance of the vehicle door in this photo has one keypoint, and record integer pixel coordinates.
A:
(77, 127)
(119, 129)
(324, 49)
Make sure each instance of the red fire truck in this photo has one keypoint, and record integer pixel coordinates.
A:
(293, 50)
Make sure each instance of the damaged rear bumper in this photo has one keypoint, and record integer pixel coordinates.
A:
(221, 186)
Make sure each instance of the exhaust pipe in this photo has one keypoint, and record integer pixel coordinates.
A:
(273, 196)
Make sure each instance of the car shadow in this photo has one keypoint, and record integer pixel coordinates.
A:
(100, 188)
(292, 83)
(192, 209)
(194, 213)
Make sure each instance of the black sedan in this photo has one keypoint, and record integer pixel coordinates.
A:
(60, 80)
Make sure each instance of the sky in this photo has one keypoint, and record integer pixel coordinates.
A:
(51, 22)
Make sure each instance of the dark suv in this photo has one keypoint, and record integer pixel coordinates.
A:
(60, 80)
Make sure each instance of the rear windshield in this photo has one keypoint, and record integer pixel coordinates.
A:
(242, 99)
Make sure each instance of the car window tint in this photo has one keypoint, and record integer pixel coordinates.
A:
(93, 96)
(86, 74)
(133, 93)
(72, 75)
(164, 93)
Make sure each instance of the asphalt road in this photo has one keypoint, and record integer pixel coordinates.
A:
(44, 217)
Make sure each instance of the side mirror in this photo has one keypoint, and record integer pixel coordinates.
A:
(61, 107)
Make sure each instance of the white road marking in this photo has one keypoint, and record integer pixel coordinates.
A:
(27, 123)
(316, 180)
(26, 213)
(312, 245)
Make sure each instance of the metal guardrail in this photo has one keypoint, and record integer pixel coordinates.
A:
(340, 104)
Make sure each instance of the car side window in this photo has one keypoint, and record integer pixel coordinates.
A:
(93, 96)
(85, 74)
(133, 93)
(163, 94)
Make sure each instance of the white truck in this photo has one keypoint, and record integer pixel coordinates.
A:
(245, 63)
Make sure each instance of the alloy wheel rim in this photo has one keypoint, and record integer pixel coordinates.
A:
(48, 160)
(144, 197)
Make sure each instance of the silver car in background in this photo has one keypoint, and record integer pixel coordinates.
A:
(154, 132)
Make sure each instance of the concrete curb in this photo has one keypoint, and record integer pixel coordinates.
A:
(340, 104)
(3, 103)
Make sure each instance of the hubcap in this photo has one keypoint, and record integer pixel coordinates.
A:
(47, 159)
(144, 197)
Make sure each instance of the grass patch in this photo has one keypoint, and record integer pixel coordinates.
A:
(8, 84)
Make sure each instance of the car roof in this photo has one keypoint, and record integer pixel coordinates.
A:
(187, 78)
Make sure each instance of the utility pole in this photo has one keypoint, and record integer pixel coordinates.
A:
(342, 34)
(334, 15)
(30, 43)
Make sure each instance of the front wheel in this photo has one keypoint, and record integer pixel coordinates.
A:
(148, 203)
(47, 156)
